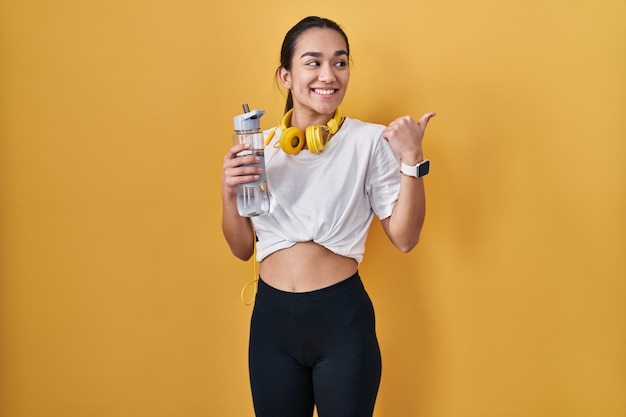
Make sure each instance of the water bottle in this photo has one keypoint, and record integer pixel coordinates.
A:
(252, 198)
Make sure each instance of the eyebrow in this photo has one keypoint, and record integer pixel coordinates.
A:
(319, 54)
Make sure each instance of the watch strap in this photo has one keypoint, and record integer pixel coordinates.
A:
(417, 171)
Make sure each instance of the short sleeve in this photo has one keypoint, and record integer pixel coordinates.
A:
(382, 183)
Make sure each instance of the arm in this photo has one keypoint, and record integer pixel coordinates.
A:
(237, 229)
(404, 225)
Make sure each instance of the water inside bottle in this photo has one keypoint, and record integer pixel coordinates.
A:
(253, 200)
(252, 197)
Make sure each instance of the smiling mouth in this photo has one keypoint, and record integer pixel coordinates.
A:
(324, 91)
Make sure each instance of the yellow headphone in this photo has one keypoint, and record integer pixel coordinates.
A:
(292, 139)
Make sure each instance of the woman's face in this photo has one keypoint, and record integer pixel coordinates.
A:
(319, 73)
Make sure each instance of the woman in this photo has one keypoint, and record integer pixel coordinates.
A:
(312, 339)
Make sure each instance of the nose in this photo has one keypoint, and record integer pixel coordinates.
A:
(327, 73)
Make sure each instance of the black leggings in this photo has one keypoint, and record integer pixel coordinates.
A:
(317, 348)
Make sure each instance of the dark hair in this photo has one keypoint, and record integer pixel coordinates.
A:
(289, 43)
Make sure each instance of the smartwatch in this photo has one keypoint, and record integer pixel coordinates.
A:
(417, 171)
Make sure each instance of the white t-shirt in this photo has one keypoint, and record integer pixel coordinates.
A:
(331, 197)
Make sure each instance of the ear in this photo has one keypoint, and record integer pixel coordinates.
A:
(285, 77)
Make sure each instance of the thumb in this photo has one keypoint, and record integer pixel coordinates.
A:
(425, 118)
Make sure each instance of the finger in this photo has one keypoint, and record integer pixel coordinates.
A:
(385, 134)
(388, 133)
(244, 164)
(231, 155)
(241, 174)
(425, 118)
(232, 152)
(235, 181)
(400, 121)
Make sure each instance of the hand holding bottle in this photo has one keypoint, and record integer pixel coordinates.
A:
(247, 157)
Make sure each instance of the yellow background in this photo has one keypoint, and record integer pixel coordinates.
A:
(119, 297)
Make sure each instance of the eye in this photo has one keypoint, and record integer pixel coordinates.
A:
(341, 64)
(313, 63)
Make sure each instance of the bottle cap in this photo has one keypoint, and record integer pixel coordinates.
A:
(249, 121)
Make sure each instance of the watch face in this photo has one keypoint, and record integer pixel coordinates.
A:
(423, 168)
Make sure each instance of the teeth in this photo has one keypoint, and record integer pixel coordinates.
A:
(324, 92)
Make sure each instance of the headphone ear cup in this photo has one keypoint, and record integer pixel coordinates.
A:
(292, 140)
(315, 139)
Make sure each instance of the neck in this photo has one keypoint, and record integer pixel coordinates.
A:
(302, 120)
